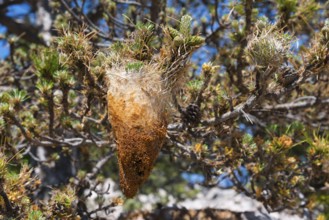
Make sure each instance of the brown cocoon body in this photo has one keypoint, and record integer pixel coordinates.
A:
(139, 123)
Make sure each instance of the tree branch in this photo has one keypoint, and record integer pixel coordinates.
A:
(25, 31)
(312, 101)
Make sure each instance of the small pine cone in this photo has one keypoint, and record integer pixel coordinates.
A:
(287, 76)
(191, 114)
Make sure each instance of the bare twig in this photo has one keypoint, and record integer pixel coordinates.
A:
(99, 165)
(300, 104)
(128, 2)
(251, 102)
(91, 26)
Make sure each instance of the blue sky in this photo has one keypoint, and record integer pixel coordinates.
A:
(16, 11)
(4, 46)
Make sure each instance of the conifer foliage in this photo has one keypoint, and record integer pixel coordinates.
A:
(103, 101)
